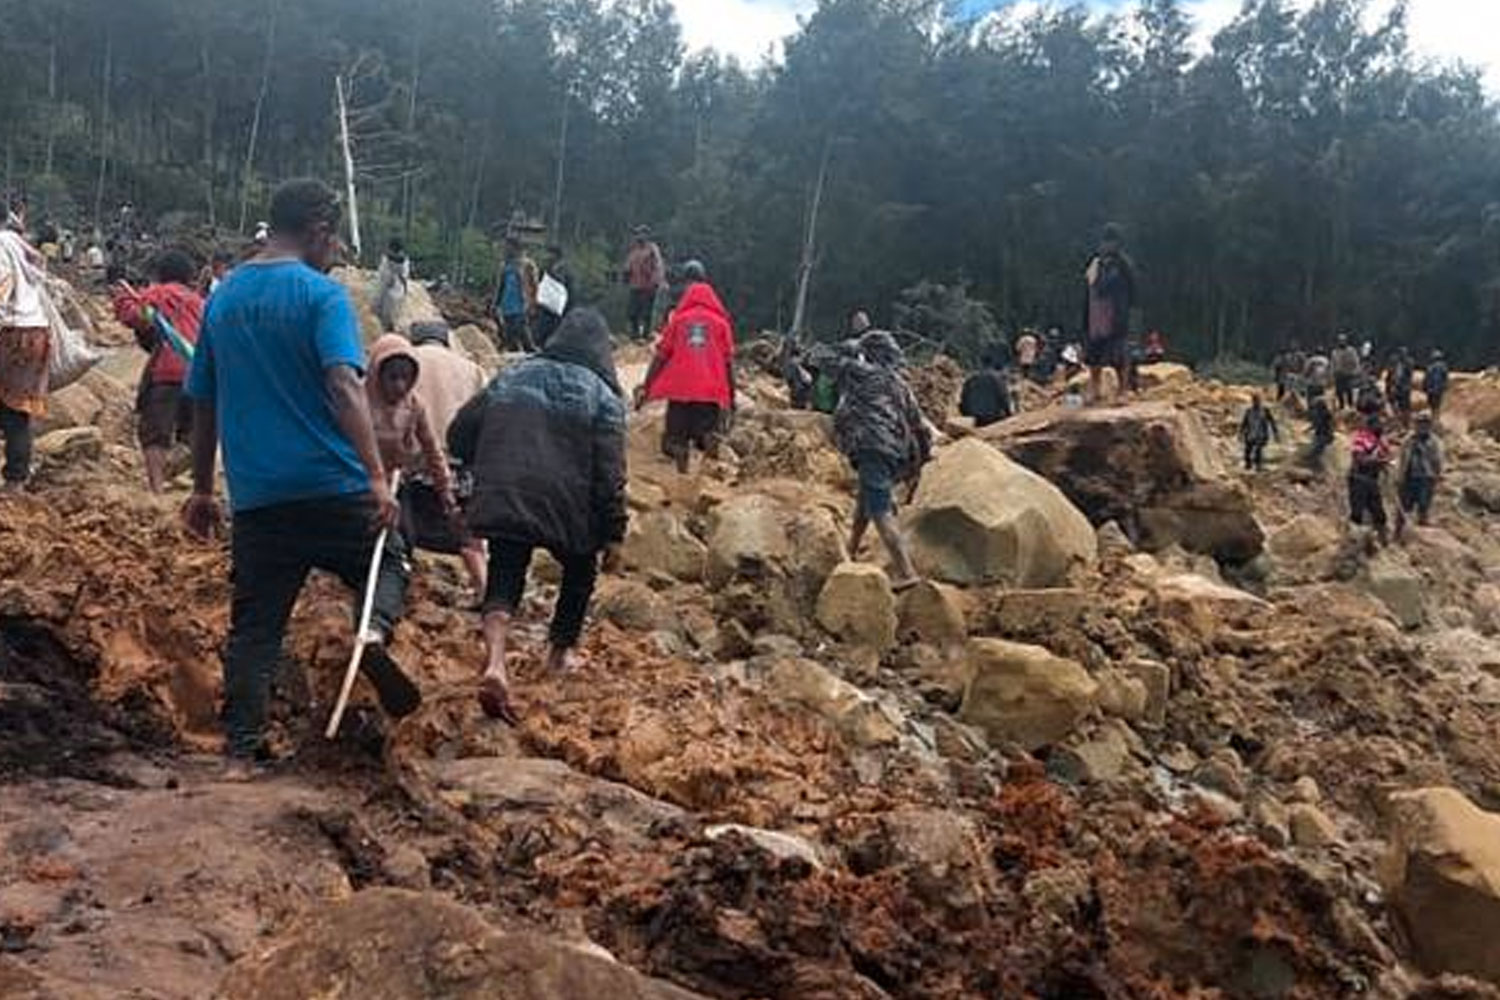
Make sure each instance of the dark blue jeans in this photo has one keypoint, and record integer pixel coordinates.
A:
(15, 427)
(273, 549)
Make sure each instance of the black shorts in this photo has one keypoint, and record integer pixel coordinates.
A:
(1105, 352)
(691, 425)
(164, 416)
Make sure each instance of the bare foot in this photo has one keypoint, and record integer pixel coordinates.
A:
(561, 660)
(494, 698)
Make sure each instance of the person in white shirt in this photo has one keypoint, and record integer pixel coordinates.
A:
(25, 344)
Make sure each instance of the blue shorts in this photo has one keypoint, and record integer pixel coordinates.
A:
(877, 483)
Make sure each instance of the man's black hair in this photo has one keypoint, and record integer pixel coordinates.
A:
(395, 246)
(299, 205)
(174, 265)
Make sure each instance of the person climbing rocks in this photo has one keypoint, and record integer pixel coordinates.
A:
(1317, 373)
(1420, 471)
(859, 324)
(164, 416)
(555, 294)
(1257, 428)
(391, 285)
(1368, 399)
(446, 380)
(546, 443)
(1346, 367)
(515, 298)
(880, 428)
(1155, 347)
(986, 395)
(409, 441)
(1435, 384)
(25, 344)
(1281, 372)
(1369, 458)
(1110, 285)
(646, 274)
(277, 377)
(693, 370)
(1400, 380)
(1320, 416)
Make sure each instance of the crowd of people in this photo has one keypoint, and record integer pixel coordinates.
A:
(347, 461)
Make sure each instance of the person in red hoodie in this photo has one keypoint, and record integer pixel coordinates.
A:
(163, 414)
(693, 369)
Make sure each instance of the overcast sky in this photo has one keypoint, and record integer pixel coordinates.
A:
(1440, 29)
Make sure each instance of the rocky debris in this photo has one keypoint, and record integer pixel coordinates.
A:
(77, 444)
(478, 345)
(1122, 694)
(936, 386)
(1024, 694)
(1152, 466)
(933, 613)
(1303, 549)
(416, 306)
(771, 442)
(780, 845)
(1443, 874)
(1156, 678)
(1310, 826)
(1483, 491)
(658, 542)
(1399, 588)
(1473, 404)
(390, 944)
(980, 518)
(1163, 375)
(857, 717)
(1204, 606)
(857, 606)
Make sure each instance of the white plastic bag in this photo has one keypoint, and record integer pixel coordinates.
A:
(552, 295)
(72, 355)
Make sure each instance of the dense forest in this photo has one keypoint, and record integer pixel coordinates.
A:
(1305, 173)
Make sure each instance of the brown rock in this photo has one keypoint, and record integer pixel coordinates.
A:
(857, 606)
(1443, 876)
(391, 944)
(1310, 826)
(1157, 680)
(658, 542)
(978, 518)
(1024, 694)
(1122, 695)
(932, 613)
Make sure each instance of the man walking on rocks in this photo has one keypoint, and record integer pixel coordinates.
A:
(1435, 384)
(1257, 428)
(546, 443)
(880, 428)
(1421, 469)
(276, 376)
(1346, 367)
(646, 273)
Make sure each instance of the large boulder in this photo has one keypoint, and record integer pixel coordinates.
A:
(857, 606)
(658, 542)
(391, 944)
(1443, 877)
(1024, 694)
(416, 307)
(1473, 403)
(859, 719)
(749, 540)
(1205, 606)
(1399, 587)
(1152, 466)
(768, 560)
(979, 518)
(1303, 549)
(933, 613)
(478, 346)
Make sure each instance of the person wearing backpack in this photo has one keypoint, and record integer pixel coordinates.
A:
(1369, 457)
(1110, 280)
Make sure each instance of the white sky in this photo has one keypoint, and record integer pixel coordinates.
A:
(1440, 29)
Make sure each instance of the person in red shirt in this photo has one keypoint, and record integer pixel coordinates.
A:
(163, 414)
(693, 370)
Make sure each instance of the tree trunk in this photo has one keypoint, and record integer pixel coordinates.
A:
(210, 113)
(562, 159)
(260, 105)
(52, 111)
(338, 85)
(104, 124)
(810, 241)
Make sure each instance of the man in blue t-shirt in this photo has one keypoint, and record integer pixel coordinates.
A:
(277, 380)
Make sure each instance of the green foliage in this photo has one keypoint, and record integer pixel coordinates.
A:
(1306, 174)
(942, 318)
(1236, 371)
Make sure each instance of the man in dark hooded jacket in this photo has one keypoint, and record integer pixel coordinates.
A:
(546, 443)
(880, 428)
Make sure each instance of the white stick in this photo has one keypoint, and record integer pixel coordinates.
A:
(366, 612)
